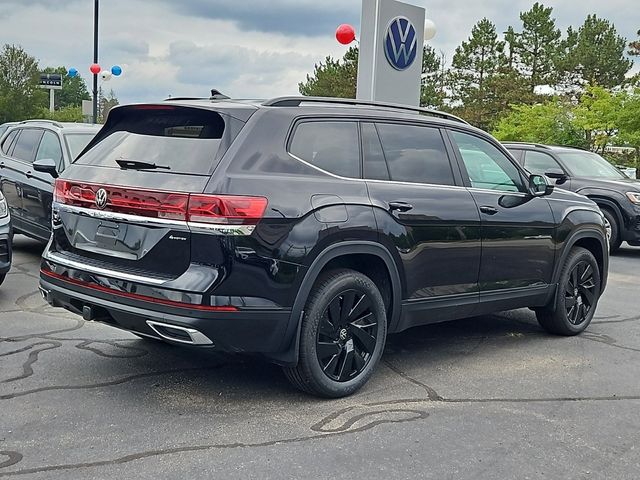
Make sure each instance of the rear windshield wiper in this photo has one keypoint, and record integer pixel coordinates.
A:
(136, 165)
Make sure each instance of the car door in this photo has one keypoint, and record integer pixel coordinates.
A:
(9, 177)
(517, 229)
(38, 187)
(425, 216)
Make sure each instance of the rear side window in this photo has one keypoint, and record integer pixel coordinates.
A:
(415, 154)
(331, 146)
(27, 143)
(179, 139)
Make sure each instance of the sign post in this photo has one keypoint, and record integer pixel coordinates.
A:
(391, 43)
(52, 82)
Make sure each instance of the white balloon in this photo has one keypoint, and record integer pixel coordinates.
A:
(429, 30)
(106, 75)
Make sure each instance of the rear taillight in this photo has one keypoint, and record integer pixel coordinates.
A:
(209, 209)
(226, 209)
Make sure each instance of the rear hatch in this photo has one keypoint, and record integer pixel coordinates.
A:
(127, 205)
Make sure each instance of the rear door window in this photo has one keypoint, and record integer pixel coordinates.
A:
(178, 139)
(330, 146)
(375, 165)
(26, 144)
(415, 154)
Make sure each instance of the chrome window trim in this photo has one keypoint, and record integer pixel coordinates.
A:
(65, 262)
(392, 182)
(210, 228)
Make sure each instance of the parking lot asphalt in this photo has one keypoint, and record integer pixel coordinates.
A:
(491, 397)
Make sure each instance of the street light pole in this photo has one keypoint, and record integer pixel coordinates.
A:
(95, 60)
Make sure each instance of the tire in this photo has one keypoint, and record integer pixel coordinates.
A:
(343, 333)
(577, 297)
(2, 278)
(615, 241)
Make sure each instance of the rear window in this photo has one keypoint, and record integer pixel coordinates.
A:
(330, 146)
(180, 139)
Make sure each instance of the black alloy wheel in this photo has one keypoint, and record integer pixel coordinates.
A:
(346, 336)
(574, 305)
(580, 293)
(342, 336)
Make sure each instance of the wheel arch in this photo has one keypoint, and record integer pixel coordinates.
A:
(341, 255)
(609, 204)
(592, 240)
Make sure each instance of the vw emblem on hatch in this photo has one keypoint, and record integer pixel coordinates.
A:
(101, 198)
(401, 43)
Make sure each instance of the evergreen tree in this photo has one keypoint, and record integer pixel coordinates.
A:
(433, 94)
(475, 64)
(333, 78)
(595, 55)
(537, 46)
(634, 47)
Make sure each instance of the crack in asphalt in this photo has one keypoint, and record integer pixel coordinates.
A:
(27, 367)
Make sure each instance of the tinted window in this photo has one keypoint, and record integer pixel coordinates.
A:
(76, 143)
(8, 142)
(375, 166)
(487, 166)
(540, 163)
(185, 140)
(415, 154)
(587, 164)
(331, 146)
(27, 143)
(50, 148)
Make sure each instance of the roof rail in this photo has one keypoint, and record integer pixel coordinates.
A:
(528, 144)
(178, 99)
(297, 101)
(52, 122)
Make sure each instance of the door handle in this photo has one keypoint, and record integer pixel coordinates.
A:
(400, 206)
(1, 164)
(28, 174)
(489, 210)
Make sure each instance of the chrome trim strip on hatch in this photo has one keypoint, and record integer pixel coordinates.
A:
(210, 228)
(65, 262)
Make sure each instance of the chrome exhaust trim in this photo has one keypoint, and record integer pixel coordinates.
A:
(164, 331)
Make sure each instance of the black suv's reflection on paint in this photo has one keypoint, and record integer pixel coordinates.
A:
(306, 230)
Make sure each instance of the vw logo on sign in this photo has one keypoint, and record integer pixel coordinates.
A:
(401, 43)
(101, 198)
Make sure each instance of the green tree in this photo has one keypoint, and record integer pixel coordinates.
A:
(536, 48)
(629, 123)
(106, 103)
(333, 78)
(598, 115)
(65, 114)
(19, 92)
(475, 63)
(432, 92)
(549, 123)
(74, 90)
(595, 55)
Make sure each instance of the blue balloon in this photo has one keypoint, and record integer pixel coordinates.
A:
(116, 70)
(73, 72)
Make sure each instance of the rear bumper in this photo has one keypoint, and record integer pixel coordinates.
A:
(249, 331)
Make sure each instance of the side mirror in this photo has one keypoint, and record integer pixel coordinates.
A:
(46, 165)
(558, 175)
(538, 186)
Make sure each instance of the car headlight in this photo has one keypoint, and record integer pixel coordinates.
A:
(634, 197)
(4, 209)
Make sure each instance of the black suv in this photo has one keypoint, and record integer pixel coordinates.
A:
(587, 173)
(31, 154)
(308, 229)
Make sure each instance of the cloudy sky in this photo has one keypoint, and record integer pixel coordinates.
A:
(245, 48)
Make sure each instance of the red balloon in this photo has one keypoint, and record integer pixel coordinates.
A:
(345, 34)
(95, 69)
